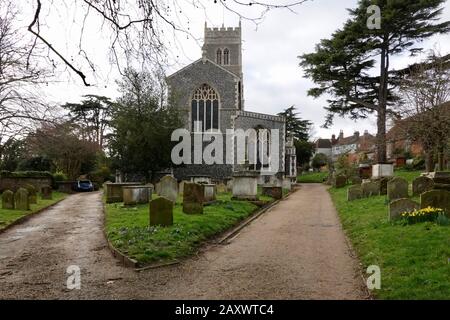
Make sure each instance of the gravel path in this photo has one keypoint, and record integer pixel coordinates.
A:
(296, 250)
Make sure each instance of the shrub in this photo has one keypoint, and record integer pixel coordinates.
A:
(25, 174)
(59, 176)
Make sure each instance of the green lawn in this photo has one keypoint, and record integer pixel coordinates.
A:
(129, 231)
(9, 216)
(414, 259)
(312, 177)
(408, 175)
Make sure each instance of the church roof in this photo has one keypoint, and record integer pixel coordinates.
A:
(202, 60)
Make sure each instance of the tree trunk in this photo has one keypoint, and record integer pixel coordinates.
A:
(429, 163)
(382, 106)
(441, 159)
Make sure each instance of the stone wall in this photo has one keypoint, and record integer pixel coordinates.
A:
(14, 183)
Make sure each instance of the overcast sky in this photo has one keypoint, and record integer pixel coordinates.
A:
(272, 78)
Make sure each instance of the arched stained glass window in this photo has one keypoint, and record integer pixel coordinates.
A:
(226, 57)
(205, 109)
(219, 56)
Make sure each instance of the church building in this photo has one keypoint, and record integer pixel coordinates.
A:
(210, 94)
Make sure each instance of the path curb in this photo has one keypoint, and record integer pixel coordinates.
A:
(116, 253)
(29, 216)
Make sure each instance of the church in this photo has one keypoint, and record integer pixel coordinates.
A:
(210, 95)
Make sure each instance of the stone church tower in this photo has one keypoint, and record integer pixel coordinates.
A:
(224, 46)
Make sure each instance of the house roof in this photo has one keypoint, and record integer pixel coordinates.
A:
(323, 144)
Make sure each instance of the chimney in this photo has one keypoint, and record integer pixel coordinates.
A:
(356, 134)
(366, 133)
(333, 139)
(341, 134)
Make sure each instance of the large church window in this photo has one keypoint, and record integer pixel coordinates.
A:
(219, 56)
(226, 57)
(205, 109)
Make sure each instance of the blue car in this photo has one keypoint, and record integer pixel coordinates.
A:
(85, 185)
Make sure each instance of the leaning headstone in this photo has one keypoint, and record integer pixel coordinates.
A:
(32, 193)
(397, 188)
(370, 189)
(399, 206)
(421, 185)
(271, 191)
(354, 193)
(193, 198)
(169, 188)
(340, 182)
(46, 193)
(161, 212)
(436, 199)
(21, 199)
(8, 199)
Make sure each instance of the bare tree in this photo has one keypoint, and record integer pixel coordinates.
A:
(139, 30)
(20, 76)
(426, 107)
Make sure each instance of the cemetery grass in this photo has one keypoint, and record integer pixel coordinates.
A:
(129, 231)
(10, 216)
(314, 177)
(414, 259)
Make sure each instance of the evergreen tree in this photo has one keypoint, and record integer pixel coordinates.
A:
(343, 66)
(295, 126)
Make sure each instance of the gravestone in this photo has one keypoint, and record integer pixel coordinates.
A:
(436, 199)
(355, 180)
(384, 185)
(32, 193)
(21, 199)
(354, 193)
(442, 177)
(397, 188)
(158, 188)
(114, 191)
(271, 191)
(287, 184)
(210, 192)
(370, 188)
(222, 188)
(399, 206)
(161, 212)
(133, 195)
(421, 185)
(181, 187)
(46, 193)
(245, 185)
(8, 199)
(193, 198)
(169, 188)
(340, 181)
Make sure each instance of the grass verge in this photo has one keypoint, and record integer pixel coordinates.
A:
(414, 259)
(8, 217)
(313, 177)
(129, 231)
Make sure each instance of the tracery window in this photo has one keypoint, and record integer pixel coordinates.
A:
(205, 109)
